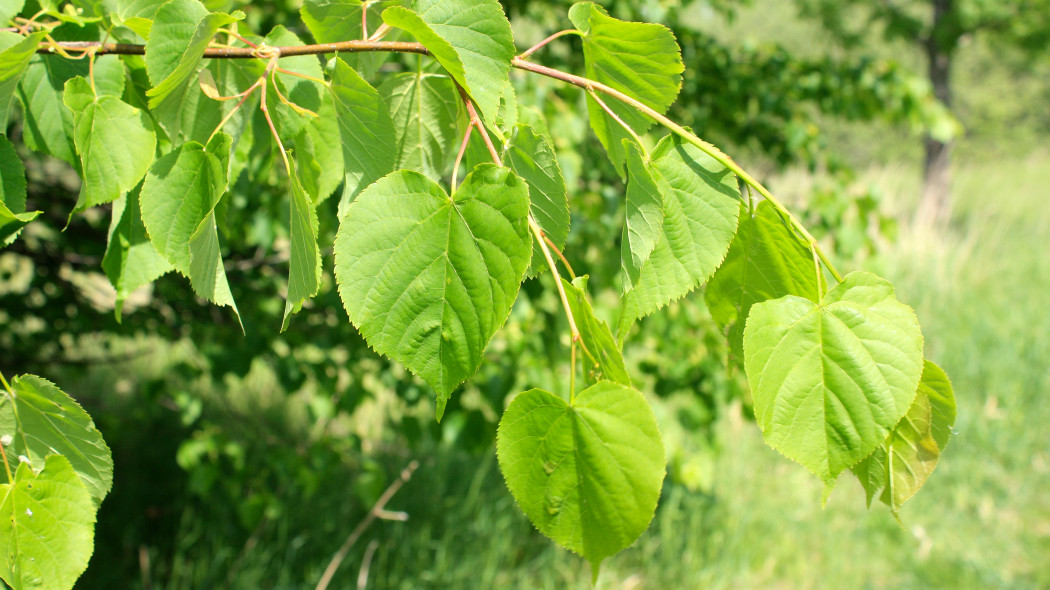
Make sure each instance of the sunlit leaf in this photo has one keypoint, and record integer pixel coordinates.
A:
(47, 527)
(531, 156)
(587, 474)
(471, 39)
(602, 356)
(304, 269)
(15, 53)
(115, 143)
(428, 279)
(700, 209)
(43, 420)
(766, 261)
(642, 60)
(643, 225)
(131, 261)
(900, 466)
(830, 379)
(424, 108)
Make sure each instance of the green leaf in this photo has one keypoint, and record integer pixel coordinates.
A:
(471, 39)
(587, 474)
(531, 156)
(830, 379)
(428, 279)
(641, 60)
(367, 131)
(901, 465)
(425, 110)
(130, 261)
(766, 261)
(181, 31)
(11, 223)
(10, 9)
(332, 21)
(12, 177)
(43, 420)
(643, 225)
(604, 359)
(17, 51)
(320, 150)
(178, 200)
(304, 271)
(46, 122)
(115, 142)
(47, 527)
(700, 206)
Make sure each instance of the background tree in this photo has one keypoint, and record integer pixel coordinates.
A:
(938, 28)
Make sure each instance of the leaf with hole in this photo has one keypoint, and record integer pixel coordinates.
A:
(831, 379)
(428, 278)
(47, 527)
(588, 473)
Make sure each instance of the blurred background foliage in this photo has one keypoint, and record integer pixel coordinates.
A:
(244, 461)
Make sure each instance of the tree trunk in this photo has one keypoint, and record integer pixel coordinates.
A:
(935, 206)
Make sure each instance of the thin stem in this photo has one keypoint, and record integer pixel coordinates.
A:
(561, 256)
(337, 559)
(3, 453)
(234, 34)
(269, 120)
(572, 372)
(541, 44)
(355, 46)
(303, 76)
(380, 33)
(244, 96)
(364, 20)
(641, 145)
(459, 157)
(677, 129)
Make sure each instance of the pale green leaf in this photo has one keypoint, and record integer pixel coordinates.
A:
(642, 60)
(643, 225)
(766, 261)
(131, 261)
(830, 379)
(602, 357)
(114, 140)
(181, 32)
(17, 51)
(700, 206)
(47, 527)
(304, 270)
(425, 110)
(10, 9)
(43, 420)
(367, 131)
(471, 39)
(428, 279)
(11, 223)
(900, 466)
(587, 474)
(532, 157)
(332, 21)
(47, 125)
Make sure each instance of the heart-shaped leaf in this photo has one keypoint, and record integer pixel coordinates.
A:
(831, 379)
(428, 279)
(587, 474)
(47, 527)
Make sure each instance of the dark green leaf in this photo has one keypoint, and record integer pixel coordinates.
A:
(131, 261)
(304, 271)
